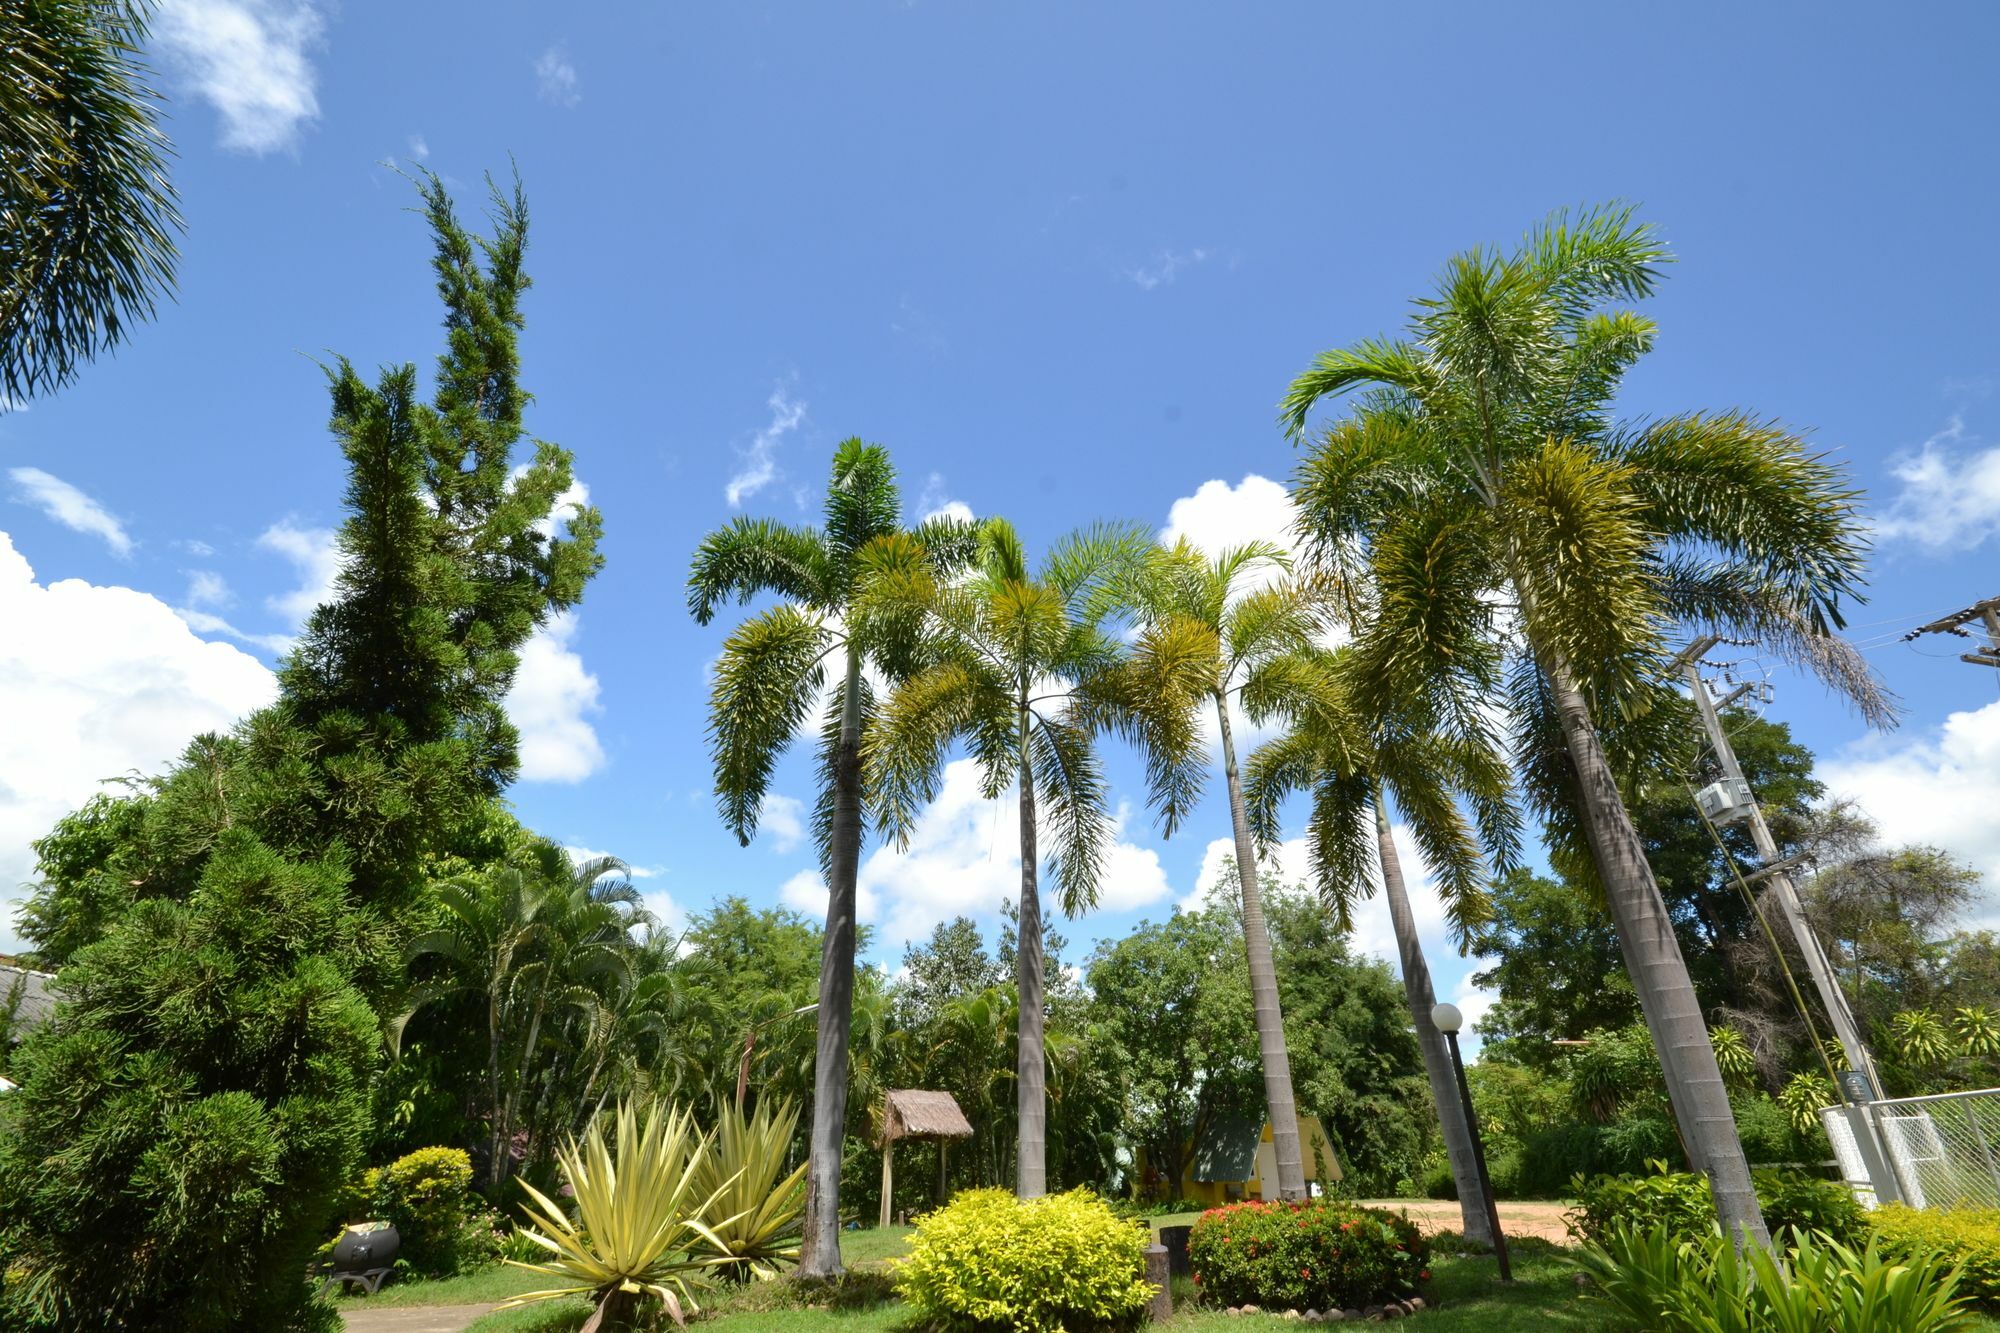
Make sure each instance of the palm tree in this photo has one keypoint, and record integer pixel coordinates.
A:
(1524, 545)
(1218, 621)
(492, 927)
(533, 945)
(1021, 668)
(1349, 760)
(87, 215)
(771, 677)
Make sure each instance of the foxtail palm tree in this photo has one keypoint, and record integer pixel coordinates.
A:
(1527, 547)
(773, 673)
(87, 214)
(1350, 759)
(1020, 668)
(1212, 624)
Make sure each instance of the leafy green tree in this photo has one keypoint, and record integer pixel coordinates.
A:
(1020, 666)
(773, 671)
(1166, 994)
(1352, 747)
(87, 214)
(952, 963)
(1523, 545)
(1219, 621)
(1356, 1058)
(1558, 970)
(189, 1112)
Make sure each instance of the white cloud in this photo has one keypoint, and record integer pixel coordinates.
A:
(11, 404)
(1133, 876)
(207, 622)
(936, 502)
(1950, 496)
(555, 77)
(1941, 788)
(419, 149)
(578, 855)
(94, 683)
(782, 820)
(1373, 935)
(248, 59)
(70, 507)
(549, 704)
(1166, 266)
(315, 555)
(196, 548)
(760, 460)
(208, 588)
(964, 859)
(1218, 516)
(1473, 1000)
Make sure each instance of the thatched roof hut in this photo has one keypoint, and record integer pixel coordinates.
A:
(914, 1114)
(909, 1113)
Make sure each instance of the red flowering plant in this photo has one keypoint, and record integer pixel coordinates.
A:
(1318, 1255)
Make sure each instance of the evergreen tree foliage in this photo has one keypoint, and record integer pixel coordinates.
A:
(203, 1088)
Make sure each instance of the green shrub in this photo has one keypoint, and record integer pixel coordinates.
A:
(1680, 1201)
(424, 1193)
(1656, 1281)
(1969, 1237)
(1675, 1201)
(1795, 1201)
(987, 1260)
(1299, 1256)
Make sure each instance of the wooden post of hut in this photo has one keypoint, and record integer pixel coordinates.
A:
(911, 1114)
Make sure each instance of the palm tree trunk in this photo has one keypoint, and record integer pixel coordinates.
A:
(1659, 973)
(1458, 1149)
(1031, 1096)
(1263, 980)
(819, 1255)
(496, 1171)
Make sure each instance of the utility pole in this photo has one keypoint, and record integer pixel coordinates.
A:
(1987, 612)
(1884, 1169)
(1831, 996)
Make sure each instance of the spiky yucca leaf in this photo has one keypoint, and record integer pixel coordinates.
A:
(744, 1171)
(642, 1225)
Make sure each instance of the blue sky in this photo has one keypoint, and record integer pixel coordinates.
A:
(1062, 260)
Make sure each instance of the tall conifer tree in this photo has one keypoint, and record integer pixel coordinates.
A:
(202, 1090)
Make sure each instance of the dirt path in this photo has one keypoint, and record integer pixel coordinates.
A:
(412, 1319)
(1544, 1220)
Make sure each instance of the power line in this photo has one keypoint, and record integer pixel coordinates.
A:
(1987, 613)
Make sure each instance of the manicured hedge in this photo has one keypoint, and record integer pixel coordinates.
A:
(1299, 1256)
(1966, 1236)
(1061, 1264)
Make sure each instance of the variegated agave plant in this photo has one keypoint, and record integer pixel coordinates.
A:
(646, 1217)
(744, 1170)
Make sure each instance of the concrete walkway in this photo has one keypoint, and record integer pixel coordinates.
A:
(412, 1318)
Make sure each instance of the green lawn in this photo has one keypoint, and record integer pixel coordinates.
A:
(1467, 1292)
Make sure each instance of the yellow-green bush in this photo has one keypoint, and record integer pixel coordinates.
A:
(1966, 1236)
(424, 1193)
(1061, 1264)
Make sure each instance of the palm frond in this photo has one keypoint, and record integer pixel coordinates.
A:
(771, 669)
(749, 556)
(1372, 361)
(1070, 795)
(862, 501)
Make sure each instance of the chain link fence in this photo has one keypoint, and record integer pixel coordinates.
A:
(1937, 1152)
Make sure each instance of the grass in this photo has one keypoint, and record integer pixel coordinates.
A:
(1466, 1291)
